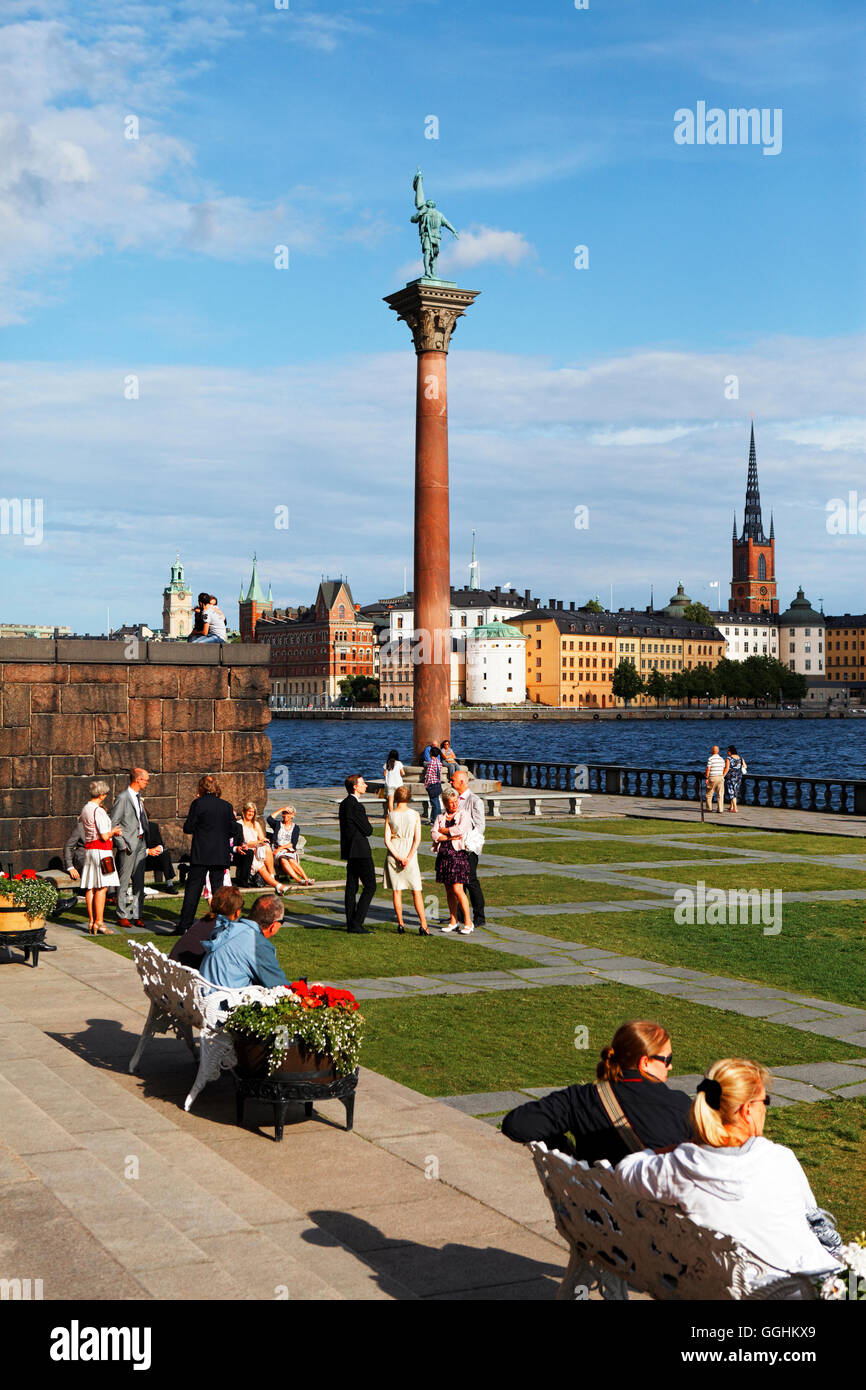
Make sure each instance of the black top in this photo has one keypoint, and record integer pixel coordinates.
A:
(658, 1115)
(355, 830)
(189, 950)
(211, 823)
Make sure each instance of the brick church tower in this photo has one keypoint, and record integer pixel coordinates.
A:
(253, 607)
(753, 582)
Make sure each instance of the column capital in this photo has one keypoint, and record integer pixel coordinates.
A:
(431, 309)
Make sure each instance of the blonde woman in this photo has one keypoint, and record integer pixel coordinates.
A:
(284, 837)
(452, 862)
(256, 843)
(733, 1180)
(402, 838)
(99, 872)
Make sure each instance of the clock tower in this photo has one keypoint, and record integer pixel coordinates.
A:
(753, 581)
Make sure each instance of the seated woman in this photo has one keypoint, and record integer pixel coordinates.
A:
(731, 1179)
(255, 856)
(631, 1081)
(283, 835)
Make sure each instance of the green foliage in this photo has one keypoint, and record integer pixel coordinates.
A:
(37, 897)
(593, 605)
(699, 613)
(627, 682)
(360, 690)
(657, 686)
(334, 1031)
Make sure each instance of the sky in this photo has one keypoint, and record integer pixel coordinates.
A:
(166, 388)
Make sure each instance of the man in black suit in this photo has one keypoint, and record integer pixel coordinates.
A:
(213, 825)
(355, 832)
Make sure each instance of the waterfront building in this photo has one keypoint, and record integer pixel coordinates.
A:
(749, 634)
(177, 604)
(496, 665)
(470, 608)
(801, 644)
(253, 605)
(41, 630)
(753, 571)
(845, 642)
(313, 649)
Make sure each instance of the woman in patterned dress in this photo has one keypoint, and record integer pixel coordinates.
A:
(452, 861)
(734, 777)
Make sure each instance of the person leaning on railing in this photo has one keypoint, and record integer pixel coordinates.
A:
(628, 1108)
(733, 1180)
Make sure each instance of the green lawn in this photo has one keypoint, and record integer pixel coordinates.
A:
(460, 1044)
(505, 889)
(789, 877)
(829, 1138)
(781, 842)
(322, 949)
(636, 825)
(603, 852)
(818, 952)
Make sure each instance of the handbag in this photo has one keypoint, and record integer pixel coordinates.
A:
(616, 1115)
(106, 863)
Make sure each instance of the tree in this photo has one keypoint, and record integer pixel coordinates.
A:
(793, 685)
(699, 613)
(627, 683)
(592, 605)
(657, 686)
(360, 690)
(729, 678)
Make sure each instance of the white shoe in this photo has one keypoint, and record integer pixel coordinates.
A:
(151, 892)
(465, 931)
(452, 926)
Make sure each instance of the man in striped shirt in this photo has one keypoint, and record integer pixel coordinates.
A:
(715, 779)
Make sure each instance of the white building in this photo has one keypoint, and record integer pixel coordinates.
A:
(496, 665)
(470, 609)
(801, 641)
(749, 634)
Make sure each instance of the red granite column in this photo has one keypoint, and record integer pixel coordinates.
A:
(431, 310)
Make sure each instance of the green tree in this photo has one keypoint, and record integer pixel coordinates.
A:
(793, 685)
(627, 683)
(699, 613)
(657, 687)
(729, 679)
(593, 605)
(360, 690)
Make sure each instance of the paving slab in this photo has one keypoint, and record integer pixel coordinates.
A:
(795, 1090)
(850, 1092)
(825, 1075)
(452, 1268)
(485, 1102)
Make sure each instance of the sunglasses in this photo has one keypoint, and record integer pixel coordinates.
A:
(657, 1057)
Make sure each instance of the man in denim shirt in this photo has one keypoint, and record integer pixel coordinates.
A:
(240, 952)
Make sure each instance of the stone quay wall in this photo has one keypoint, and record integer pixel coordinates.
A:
(77, 709)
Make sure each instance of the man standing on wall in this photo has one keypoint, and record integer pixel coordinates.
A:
(131, 848)
(474, 841)
(355, 832)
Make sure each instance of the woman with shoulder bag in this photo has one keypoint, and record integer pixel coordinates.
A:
(99, 872)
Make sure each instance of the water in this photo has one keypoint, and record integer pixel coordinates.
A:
(320, 753)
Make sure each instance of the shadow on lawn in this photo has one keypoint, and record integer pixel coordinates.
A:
(450, 1272)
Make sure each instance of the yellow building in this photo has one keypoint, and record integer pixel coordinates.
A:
(571, 654)
(845, 640)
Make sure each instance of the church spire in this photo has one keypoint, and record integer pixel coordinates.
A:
(753, 528)
(474, 579)
(254, 592)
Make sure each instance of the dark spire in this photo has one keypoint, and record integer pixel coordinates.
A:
(772, 532)
(735, 525)
(753, 528)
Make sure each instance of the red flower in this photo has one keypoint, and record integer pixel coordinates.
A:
(26, 873)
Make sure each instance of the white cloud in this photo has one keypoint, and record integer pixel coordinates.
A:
(478, 244)
(635, 437)
(830, 436)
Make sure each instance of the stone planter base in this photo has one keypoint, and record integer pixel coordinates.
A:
(303, 1077)
(29, 938)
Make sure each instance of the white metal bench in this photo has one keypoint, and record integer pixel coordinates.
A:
(618, 1239)
(180, 1000)
(494, 800)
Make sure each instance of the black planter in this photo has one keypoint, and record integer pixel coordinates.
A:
(302, 1077)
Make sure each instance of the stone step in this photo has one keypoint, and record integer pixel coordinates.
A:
(178, 1218)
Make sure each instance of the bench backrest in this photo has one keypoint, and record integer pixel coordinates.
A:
(168, 984)
(655, 1247)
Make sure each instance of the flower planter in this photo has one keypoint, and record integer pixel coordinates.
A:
(13, 917)
(302, 1077)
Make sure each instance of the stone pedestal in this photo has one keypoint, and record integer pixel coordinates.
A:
(431, 308)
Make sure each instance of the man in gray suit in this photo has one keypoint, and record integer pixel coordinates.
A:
(131, 848)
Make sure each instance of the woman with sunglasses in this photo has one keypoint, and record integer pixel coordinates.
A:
(629, 1106)
(731, 1179)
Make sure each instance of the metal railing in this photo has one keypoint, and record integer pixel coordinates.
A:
(839, 795)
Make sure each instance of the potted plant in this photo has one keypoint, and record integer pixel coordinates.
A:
(25, 901)
(313, 1034)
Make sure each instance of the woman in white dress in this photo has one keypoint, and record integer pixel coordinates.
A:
(402, 838)
(257, 843)
(393, 771)
(284, 839)
(96, 879)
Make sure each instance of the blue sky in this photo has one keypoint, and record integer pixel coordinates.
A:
(602, 387)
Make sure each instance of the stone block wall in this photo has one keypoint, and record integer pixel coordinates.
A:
(73, 710)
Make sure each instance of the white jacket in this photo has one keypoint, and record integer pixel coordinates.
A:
(758, 1194)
